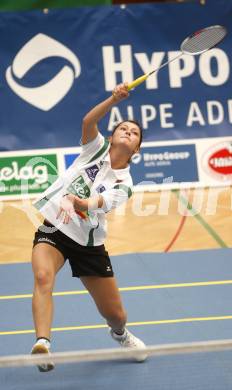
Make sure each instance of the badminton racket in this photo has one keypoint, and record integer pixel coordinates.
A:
(195, 44)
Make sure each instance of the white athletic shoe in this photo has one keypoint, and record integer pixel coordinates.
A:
(43, 346)
(128, 340)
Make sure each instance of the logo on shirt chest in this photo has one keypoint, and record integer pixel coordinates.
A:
(92, 172)
(100, 189)
(79, 188)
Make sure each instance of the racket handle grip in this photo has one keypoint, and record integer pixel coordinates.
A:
(137, 81)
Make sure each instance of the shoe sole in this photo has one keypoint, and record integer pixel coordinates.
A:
(38, 349)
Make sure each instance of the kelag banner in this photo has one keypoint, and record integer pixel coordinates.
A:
(55, 65)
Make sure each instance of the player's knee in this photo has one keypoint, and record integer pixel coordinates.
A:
(44, 279)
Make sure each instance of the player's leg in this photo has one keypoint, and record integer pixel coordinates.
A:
(46, 262)
(105, 292)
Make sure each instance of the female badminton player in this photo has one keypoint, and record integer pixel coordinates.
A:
(74, 228)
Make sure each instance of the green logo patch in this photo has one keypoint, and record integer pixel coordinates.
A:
(79, 188)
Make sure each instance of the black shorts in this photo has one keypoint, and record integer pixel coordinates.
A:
(84, 260)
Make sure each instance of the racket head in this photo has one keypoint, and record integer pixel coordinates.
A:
(203, 40)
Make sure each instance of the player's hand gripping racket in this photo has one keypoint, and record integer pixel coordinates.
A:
(197, 43)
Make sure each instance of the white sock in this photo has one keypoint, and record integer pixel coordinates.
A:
(44, 342)
(120, 336)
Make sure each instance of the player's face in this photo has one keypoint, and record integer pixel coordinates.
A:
(128, 135)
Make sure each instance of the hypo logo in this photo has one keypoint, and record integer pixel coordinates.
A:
(49, 94)
(218, 161)
(136, 158)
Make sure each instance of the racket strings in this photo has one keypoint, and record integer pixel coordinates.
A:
(204, 40)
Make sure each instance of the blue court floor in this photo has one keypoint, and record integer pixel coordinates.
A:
(170, 298)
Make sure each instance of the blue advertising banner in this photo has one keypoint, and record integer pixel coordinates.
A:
(56, 65)
(69, 159)
(165, 165)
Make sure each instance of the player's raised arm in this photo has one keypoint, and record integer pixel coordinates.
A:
(91, 119)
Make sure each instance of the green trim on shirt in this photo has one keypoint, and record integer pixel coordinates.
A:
(124, 188)
(91, 238)
(101, 151)
(40, 203)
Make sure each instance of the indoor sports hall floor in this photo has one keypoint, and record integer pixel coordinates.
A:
(175, 297)
(174, 270)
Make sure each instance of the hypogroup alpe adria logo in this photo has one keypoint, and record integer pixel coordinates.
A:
(47, 95)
